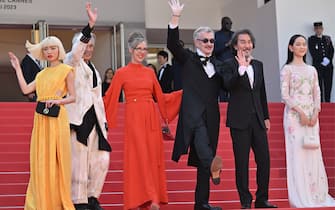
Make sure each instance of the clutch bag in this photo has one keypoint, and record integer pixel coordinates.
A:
(167, 135)
(310, 140)
(53, 111)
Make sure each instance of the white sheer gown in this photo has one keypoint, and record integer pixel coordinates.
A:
(307, 181)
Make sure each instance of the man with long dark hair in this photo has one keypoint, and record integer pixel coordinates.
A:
(248, 118)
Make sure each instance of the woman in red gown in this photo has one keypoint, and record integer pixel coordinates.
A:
(144, 162)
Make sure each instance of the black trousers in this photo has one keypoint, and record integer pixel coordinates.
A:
(325, 75)
(205, 155)
(253, 137)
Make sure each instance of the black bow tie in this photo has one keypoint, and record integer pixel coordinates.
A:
(204, 60)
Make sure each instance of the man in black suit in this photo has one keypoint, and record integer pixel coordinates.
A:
(165, 73)
(248, 118)
(322, 51)
(199, 117)
(30, 68)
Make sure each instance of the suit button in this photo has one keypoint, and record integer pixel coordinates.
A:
(135, 99)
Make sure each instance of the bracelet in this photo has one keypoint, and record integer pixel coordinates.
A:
(176, 15)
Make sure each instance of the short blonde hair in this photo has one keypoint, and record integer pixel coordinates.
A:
(36, 49)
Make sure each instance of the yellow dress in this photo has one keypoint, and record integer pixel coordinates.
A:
(49, 186)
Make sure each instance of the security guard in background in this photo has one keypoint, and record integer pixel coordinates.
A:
(322, 51)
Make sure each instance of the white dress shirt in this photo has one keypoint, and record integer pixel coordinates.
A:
(250, 73)
(209, 68)
(161, 71)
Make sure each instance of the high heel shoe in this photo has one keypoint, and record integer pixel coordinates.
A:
(154, 206)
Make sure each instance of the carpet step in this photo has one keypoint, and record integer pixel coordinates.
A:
(174, 196)
(16, 120)
(118, 155)
(172, 174)
(185, 205)
(14, 165)
(8, 145)
(172, 185)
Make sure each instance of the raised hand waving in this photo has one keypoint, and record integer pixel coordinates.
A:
(92, 14)
(176, 7)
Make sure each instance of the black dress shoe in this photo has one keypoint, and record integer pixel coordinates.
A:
(246, 206)
(81, 206)
(94, 204)
(264, 204)
(206, 207)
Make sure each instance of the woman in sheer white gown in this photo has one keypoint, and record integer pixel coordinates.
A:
(306, 176)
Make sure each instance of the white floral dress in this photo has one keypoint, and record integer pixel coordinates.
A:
(307, 181)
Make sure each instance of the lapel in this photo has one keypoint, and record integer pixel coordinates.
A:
(256, 73)
(196, 59)
(213, 60)
(197, 62)
(97, 74)
(163, 74)
(87, 72)
(245, 77)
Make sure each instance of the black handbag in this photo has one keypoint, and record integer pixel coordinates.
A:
(53, 111)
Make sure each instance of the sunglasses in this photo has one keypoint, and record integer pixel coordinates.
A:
(205, 41)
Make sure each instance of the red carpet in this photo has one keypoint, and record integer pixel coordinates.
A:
(16, 121)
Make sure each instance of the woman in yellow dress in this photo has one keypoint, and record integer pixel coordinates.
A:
(49, 186)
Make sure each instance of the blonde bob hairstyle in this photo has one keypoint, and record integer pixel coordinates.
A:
(37, 49)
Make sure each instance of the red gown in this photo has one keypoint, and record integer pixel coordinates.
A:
(144, 162)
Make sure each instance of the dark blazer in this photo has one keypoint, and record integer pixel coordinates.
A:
(199, 101)
(166, 82)
(29, 69)
(319, 48)
(244, 100)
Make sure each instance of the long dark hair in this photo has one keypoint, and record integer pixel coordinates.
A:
(235, 36)
(289, 52)
(107, 70)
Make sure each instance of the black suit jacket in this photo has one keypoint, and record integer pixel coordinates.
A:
(199, 101)
(166, 81)
(29, 69)
(319, 48)
(245, 100)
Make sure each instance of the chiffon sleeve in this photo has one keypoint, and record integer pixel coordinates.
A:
(158, 94)
(111, 100)
(75, 55)
(169, 103)
(285, 77)
(173, 101)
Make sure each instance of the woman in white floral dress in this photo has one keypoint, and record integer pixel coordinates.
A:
(307, 181)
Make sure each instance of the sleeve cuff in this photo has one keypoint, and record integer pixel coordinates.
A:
(86, 31)
(241, 70)
(172, 26)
